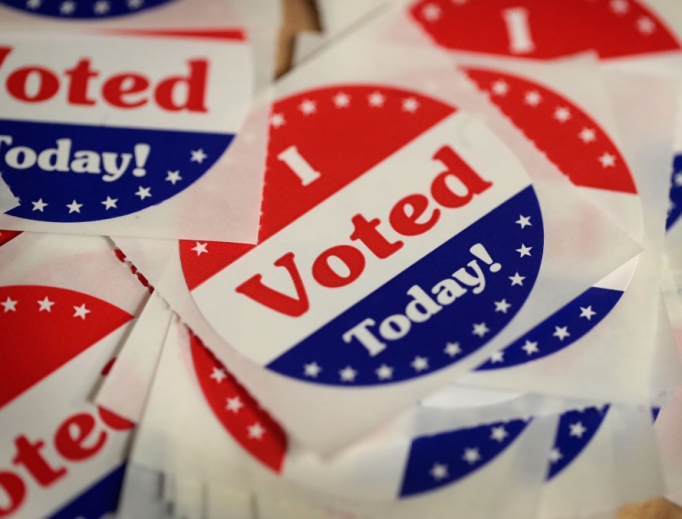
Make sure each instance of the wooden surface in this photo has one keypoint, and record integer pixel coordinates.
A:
(301, 15)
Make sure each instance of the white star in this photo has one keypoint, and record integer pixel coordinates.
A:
(500, 88)
(277, 120)
(410, 105)
(555, 455)
(10, 305)
(577, 429)
(671, 205)
(218, 375)
(101, 7)
(45, 304)
(439, 471)
(496, 357)
(620, 6)
(234, 404)
(376, 99)
(533, 98)
(587, 312)
(348, 374)
(453, 349)
(110, 202)
(33, 4)
(420, 363)
(312, 370)
(74, 207)
(431, 12)
(607, 160)
(384, 372)
(587, 135)
(471, 456)
(523, 221)
(524, 251)
(498, 433)
(67, 7)
(173, 177)
(135, 4)
(81, 311)
(198, 156)
(200, 248)
(561, 332)
(308, 107)
(530, 347)
(39, 205)
(516, 279)
(143, 192)
(480, 329)
(342, 100)
(562, 114)
(645, 25)
(502, 306)
(256, 431)
(677, 178)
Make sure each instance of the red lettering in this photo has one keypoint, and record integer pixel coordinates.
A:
(73, 433)
(195, 85)
(254, 288)
(28, 455)
(369, 235)
(4, 52)
(78, 87)
(14, 489)
(328, 277)
(48, 84)
(114, 421)
(407, 211)
(118, 87)
(463, 172)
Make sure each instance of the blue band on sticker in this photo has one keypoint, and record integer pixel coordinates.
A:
(83, 9)
(441, 309)
(559, 331)
(442, 459)
(675, 203)
(574, 433)
(98, 500)
(78, 173)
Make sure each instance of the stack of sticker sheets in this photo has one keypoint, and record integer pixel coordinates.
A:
(432, 271)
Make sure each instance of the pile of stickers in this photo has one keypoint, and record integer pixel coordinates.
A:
(431, 272)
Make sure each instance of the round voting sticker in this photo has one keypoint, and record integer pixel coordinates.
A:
(88, 134)
(398, 236)
(83, 9)
(410, 466)
(44, 328)
(583, 151)
(544, 30)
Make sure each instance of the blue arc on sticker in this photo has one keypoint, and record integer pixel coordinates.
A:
(575, 431)
(513, 236)
(675, 203)
(83, 9)
(559, 331)
(443, 459)
(97, 501)
(78, 173)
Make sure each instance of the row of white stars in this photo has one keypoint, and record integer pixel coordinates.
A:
(45, 305)
(560, 332)
(577, 431)
(342, 100)
(235, 404)
(561, 114)
(69, 6)
(471, 455)
(109, 203)
(644, 24)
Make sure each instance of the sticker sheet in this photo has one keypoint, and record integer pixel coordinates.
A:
(358, 272)
(62, 456)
